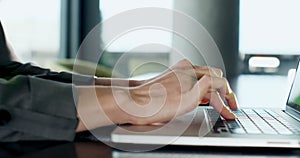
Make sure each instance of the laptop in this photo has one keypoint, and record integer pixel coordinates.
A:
(205, 127)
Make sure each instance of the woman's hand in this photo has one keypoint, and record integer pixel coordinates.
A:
(177, 91)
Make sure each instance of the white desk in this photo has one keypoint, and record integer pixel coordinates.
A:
(262, 90)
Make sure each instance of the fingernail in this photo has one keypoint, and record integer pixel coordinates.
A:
(233, 116)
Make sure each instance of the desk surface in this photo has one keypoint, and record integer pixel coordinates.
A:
(252, 91)
(262, 91)
(100, 150)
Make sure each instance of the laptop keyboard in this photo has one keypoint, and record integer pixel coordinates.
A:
(252, 121)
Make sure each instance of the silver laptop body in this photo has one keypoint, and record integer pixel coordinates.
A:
(203, 127)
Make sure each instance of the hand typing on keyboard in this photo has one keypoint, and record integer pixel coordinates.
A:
(176, 91)
(218, 90)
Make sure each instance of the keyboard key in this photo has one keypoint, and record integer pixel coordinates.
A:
(276, 121)
(274, 114)
(237, 131)
(213, 113)
(291, 127)
(249, 126)
(235, 127)
(240, 114)
(262, 113)
(233, 124)
(218, 126)
(279, 127)
(215, 121)
(260, 123)
(246, 123)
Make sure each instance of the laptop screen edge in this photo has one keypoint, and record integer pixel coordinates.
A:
(293, 101)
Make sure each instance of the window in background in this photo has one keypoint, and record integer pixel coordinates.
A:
(32, 28)
(269, 28)
(132, 40)
(140, 45)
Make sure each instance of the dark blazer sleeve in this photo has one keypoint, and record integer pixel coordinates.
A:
(36, 103)
(11, 69)
(37, 109)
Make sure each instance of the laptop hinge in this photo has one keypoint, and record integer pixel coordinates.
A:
(293, 113)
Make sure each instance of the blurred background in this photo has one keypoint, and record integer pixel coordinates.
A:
(254, 36)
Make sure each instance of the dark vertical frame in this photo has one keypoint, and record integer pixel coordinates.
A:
(78, 18)
(70, 24)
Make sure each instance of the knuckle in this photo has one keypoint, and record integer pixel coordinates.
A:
(218, 71)
(206, 78)
(186, 61)
(207, 81)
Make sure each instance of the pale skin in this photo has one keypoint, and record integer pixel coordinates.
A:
(174, 92)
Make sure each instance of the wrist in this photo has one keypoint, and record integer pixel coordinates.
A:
(114, 101)
(136, 105)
